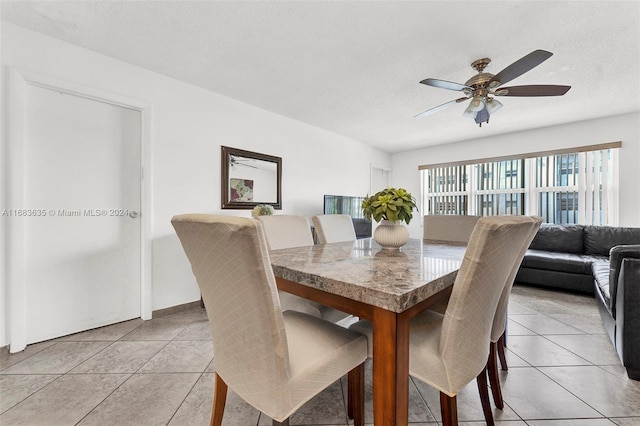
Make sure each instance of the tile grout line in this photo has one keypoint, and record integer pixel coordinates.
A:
(559, 384)
(104, 399)
(186, 396)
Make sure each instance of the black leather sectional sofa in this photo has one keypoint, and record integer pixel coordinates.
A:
(599, 260)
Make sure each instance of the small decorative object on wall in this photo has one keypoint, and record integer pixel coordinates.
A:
(262, 210)
(241, 189)
(390, 207)
(249, 179)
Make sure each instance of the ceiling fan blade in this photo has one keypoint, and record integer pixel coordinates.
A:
(439, 107)
(533, 90)
(443, 84)
(243, 165)
(520, 66)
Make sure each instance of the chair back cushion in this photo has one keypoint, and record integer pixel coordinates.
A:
(286, 231)
(230, 261)
(450, 228)
(334, 228)
(497, 243)
(499, 320)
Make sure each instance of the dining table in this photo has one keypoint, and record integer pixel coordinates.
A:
(384, 286)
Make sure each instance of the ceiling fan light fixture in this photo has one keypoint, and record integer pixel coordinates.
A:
(469, 112)
(493, 105)
(477, 104)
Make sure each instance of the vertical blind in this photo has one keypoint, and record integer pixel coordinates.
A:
(562, 187)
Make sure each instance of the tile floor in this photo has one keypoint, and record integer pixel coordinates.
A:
(562, 371)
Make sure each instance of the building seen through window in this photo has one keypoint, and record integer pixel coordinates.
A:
(569, 188)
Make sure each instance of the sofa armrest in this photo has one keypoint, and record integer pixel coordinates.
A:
(628, 318)
(616, 255)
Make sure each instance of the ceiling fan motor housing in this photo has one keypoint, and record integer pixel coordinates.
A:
(480, 82)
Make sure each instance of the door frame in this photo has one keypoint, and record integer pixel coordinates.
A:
(15, 259)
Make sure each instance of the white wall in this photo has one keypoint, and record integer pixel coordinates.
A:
(188, 127)
(190, 124)
(625, 128)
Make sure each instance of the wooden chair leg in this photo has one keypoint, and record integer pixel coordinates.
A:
(494, 378)
(355, 395)
(449, 410)
(351, 380)
(219, 400)
(501, 345)
(484, 397)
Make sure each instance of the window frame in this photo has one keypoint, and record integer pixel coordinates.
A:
(584, 172)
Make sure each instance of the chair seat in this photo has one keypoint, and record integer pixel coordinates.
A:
(425, 360)
(332, 315)
(320, 351)
(425, 331)
(291, 302)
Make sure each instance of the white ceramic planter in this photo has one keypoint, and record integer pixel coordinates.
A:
(391, 235)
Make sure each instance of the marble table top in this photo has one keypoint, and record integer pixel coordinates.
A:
(363, 271)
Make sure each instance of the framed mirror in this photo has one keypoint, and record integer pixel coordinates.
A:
(249, 179)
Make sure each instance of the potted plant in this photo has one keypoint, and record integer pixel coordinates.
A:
(262, 210)
(390, 207)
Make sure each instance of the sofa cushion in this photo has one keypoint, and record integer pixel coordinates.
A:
(555, 279)
(565, 238)
(598, 240)
(559, 261)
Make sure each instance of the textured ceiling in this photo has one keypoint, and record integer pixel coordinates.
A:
(353, 67)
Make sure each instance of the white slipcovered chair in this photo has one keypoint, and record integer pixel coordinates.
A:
(334, 228)
(498, 329)
(276, 361)
(289, 231)
(449, 228)
(286, 231)
(448, 351)
(457, 228)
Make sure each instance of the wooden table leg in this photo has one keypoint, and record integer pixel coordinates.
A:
(390, 368)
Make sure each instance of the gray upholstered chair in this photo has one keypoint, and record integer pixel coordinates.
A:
(276, 361)
(449, 228)
(334, 228)
(448, 351)
(289, 231)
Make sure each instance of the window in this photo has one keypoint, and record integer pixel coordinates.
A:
(578, 187)
(448, 186)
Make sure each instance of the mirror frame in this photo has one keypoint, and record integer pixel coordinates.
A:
(227, 152)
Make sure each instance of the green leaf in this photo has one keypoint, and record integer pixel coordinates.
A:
(391, 204)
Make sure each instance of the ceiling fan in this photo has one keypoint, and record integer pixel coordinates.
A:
(238, 161)
(482, 87)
